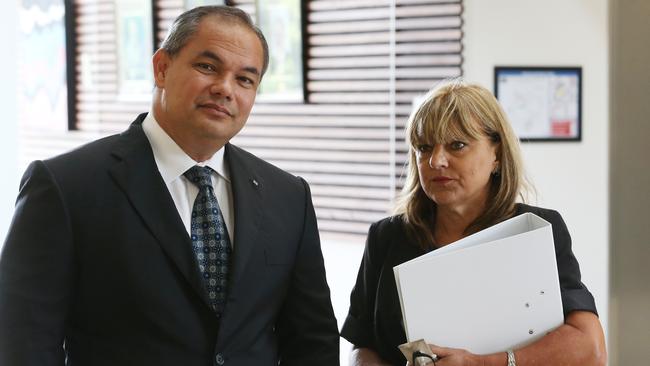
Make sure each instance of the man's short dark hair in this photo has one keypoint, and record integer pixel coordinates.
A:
(186, 25)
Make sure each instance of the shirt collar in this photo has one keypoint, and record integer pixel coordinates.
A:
(171, 160)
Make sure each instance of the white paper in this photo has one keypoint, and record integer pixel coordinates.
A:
(495, 290)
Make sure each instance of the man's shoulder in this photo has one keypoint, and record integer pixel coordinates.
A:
(95, 151)
(95, 156)
(100, 145)
(85, 158)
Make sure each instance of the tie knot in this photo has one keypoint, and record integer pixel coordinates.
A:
(199, 176)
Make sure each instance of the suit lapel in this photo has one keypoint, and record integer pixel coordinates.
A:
(137, 175)
(247, 191)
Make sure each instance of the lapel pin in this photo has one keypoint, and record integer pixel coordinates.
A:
(255, 182)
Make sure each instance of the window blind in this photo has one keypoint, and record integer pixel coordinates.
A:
(365, 59)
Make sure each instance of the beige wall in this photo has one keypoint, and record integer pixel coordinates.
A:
(571, 177)
(630, 182)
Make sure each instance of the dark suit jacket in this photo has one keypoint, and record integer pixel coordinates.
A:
(97, 258)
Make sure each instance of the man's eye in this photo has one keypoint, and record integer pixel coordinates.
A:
(246, 81)
(457, 145)
(205, 67)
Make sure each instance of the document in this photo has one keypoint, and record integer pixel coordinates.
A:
(494, 290)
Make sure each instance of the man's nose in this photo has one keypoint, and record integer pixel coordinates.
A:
(222, 85)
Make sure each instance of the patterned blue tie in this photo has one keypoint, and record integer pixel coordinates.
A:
(210, 240)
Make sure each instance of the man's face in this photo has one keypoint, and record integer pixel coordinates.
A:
(208, 88)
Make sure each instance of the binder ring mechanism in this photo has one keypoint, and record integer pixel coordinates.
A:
(419, 353)
(419, 357)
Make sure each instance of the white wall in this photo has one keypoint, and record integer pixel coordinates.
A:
(342, 260)
(571, 177)
(9, 135)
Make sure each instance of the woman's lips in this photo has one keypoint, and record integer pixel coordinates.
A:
(442, 179)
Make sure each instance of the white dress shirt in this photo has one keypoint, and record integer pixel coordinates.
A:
(172, 162)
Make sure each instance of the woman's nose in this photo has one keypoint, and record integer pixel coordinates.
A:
(438, 159)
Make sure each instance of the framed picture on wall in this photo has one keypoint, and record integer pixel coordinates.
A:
(542, 103)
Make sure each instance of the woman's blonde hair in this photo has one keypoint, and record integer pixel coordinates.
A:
(456, 110)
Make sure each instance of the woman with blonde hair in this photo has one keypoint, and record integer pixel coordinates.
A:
(465, 174)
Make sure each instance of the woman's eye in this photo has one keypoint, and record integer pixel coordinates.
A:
(423, 149)
(457, 145)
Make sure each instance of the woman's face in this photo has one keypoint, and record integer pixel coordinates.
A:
(457, 174)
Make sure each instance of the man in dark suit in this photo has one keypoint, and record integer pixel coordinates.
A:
(166, 245)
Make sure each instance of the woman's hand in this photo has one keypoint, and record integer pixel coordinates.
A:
(455, 357)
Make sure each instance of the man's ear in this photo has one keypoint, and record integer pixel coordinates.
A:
(161, 61)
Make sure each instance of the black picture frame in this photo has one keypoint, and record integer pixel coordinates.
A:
(542, 103)
(71, 62)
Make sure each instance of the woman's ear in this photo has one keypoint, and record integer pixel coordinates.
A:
(497, 168)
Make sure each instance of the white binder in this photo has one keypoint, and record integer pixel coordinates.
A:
(495, 290)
